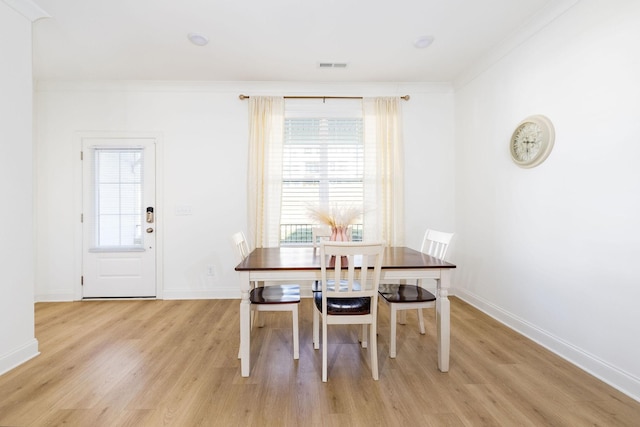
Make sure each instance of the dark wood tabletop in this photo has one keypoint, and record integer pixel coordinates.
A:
(308, 258)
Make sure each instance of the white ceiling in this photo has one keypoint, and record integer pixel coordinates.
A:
(273, 40)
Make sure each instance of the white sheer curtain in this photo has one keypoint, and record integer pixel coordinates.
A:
(266, 121)
(384, 183)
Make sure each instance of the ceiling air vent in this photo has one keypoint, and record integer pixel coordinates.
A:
(333, 65)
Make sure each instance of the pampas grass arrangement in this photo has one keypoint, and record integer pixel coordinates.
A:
(334, 217)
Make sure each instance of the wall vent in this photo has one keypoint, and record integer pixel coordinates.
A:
(332, 65)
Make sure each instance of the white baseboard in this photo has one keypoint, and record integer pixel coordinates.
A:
(55, 297)
(18, 356)
(623, 381)
(169, 294)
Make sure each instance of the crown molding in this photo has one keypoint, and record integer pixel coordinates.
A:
(28, 9)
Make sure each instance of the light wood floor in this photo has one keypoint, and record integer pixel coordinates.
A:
(156, 363)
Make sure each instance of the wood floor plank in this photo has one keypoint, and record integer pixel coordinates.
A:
(174, 363)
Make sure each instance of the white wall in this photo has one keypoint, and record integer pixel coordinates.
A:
(204, 128)
(553, 251)
(17, 342)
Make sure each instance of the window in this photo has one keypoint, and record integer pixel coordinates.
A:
(323, 166)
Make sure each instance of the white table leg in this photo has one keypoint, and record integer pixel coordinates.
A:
(316, 327)
(245, 324)
(394, 330)
(443, 320)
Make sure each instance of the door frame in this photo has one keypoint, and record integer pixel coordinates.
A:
(158, 210)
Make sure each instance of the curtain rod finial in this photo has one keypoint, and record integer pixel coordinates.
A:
(243, 97)
(406, 97)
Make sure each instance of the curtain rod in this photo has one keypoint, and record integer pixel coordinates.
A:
(243, 97)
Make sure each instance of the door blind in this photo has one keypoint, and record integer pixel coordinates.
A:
(117, 214)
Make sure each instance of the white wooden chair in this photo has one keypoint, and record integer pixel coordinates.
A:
(271, 298)
(409, 297)
(349, 304)
(319, 234)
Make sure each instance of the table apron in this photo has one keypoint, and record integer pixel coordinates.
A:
(283, 275)
(399, 274)
(387, 274)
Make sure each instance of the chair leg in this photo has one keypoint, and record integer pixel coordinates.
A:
(394, 326)
(402, 318)
(316, 328)
(421, 321)
(373, 348)
(324, 351)
(296, 334)
(363, 337)
(259, 319)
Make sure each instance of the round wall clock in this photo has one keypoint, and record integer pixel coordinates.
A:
(532, 141)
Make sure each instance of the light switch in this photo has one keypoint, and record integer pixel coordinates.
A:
(184, 210)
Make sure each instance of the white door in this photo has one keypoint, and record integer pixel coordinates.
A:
(118, 219)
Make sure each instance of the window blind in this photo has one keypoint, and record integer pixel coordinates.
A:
(323, 166)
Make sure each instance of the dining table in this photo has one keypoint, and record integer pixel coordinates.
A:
(298, 264)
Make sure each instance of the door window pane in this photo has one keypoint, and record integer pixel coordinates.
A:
(117, 215)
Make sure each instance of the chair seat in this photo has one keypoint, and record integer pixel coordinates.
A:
(344, 306)
(317, 285)
(405, 293)
(277, 294)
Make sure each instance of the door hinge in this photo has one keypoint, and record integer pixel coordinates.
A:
(81, 280)
(81, 156)
(81, 217)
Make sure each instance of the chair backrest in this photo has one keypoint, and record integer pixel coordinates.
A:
(338, 261)
(436, 243)
(241, 245)
(319, 234)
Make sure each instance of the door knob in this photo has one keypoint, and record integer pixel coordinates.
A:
(149, 230)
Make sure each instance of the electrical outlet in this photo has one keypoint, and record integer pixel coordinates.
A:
(210, 271)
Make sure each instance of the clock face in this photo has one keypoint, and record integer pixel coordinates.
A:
(527, 141)
(532, 141)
